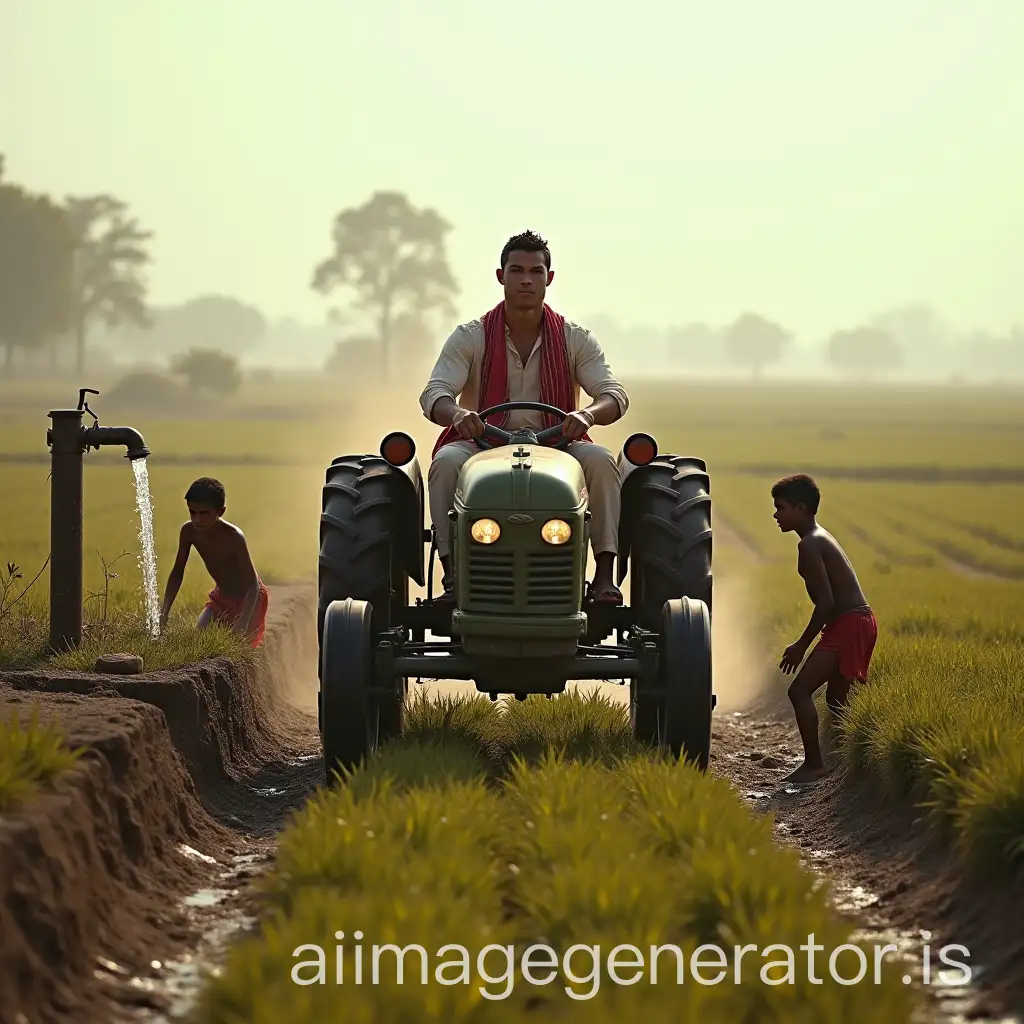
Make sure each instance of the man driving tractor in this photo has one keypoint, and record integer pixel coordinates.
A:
(523, 351)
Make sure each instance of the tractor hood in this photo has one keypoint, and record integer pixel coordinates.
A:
(522, 477)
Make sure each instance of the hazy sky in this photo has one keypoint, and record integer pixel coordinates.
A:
(814, 161)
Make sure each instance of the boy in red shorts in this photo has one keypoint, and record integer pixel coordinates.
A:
(841, 614)
(239, 600)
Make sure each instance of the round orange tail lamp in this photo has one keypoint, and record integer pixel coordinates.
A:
(640, 449)
(397, 449)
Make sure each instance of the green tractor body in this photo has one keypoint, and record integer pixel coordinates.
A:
(520, 596)
(520, 535)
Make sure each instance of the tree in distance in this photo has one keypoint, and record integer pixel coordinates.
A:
(756, 342)
(110, 259)
(864, 352)
(209, 370)
(393, 257)
(36, 283)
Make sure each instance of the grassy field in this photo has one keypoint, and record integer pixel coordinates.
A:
(541, 826)
(924, 487)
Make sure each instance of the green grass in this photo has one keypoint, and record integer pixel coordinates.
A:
(31, 757)
(24, 637)
(542, 824)
(939, 626)
(941, 722)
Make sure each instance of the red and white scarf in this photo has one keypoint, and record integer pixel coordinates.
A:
(556, 385)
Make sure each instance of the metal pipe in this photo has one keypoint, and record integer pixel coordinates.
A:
(67, 449)
(129, 437)
(461, 667)
(69, 440)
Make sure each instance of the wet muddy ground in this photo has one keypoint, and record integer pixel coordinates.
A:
(893, 880)
(873, 876)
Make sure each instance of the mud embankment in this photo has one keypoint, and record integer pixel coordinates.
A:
(184, 772)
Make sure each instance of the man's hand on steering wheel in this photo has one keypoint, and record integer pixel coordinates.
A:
(468, 425)
(576, 424)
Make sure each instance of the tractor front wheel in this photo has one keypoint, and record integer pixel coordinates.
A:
(348, 711)
(685, 680)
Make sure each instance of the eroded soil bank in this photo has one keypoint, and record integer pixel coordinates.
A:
(189, 774)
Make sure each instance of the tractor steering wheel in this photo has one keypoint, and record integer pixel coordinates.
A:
(525, 434)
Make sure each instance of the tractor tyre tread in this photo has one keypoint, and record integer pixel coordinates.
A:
(358, 557)
(672, 551)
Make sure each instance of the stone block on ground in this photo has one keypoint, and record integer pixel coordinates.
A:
(119, 664)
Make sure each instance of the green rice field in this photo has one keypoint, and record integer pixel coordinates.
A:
(923, 487)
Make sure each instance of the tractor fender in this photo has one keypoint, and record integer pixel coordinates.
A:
(631, 488)
(408, 493)
(410, 498)
(632, 479)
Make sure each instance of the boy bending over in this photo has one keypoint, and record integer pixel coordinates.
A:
(841, 614)
(239, 600)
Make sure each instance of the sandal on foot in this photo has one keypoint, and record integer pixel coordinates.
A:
(613, 597)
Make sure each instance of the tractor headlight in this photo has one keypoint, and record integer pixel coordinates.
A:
(485, 531)
(556, 531)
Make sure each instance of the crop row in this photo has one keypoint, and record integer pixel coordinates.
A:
(540, 825)
(892, 524)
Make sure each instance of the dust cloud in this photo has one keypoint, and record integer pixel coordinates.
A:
(740, 677)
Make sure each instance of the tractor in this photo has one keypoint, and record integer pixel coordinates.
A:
(521, 623)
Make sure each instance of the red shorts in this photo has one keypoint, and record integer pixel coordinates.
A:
(226, 611)
(852, 636)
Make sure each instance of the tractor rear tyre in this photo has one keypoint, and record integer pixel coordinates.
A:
(359, 558)
(685, 671)
(348, 719)
(671, 549)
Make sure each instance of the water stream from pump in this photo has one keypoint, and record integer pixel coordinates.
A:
(147, 558)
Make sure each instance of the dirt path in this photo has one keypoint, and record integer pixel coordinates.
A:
(256, 808)
(886, 872)
(137, 866)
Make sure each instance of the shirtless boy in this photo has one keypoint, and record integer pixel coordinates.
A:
(841, 614)
(239, 600)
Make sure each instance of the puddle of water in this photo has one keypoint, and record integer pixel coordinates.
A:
(190, 852)
(208, 897)
(756, 795)
(854, 897)
(109, 965)
(268, 791)
(180, 982)
(184, 979)
(950, 1003)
